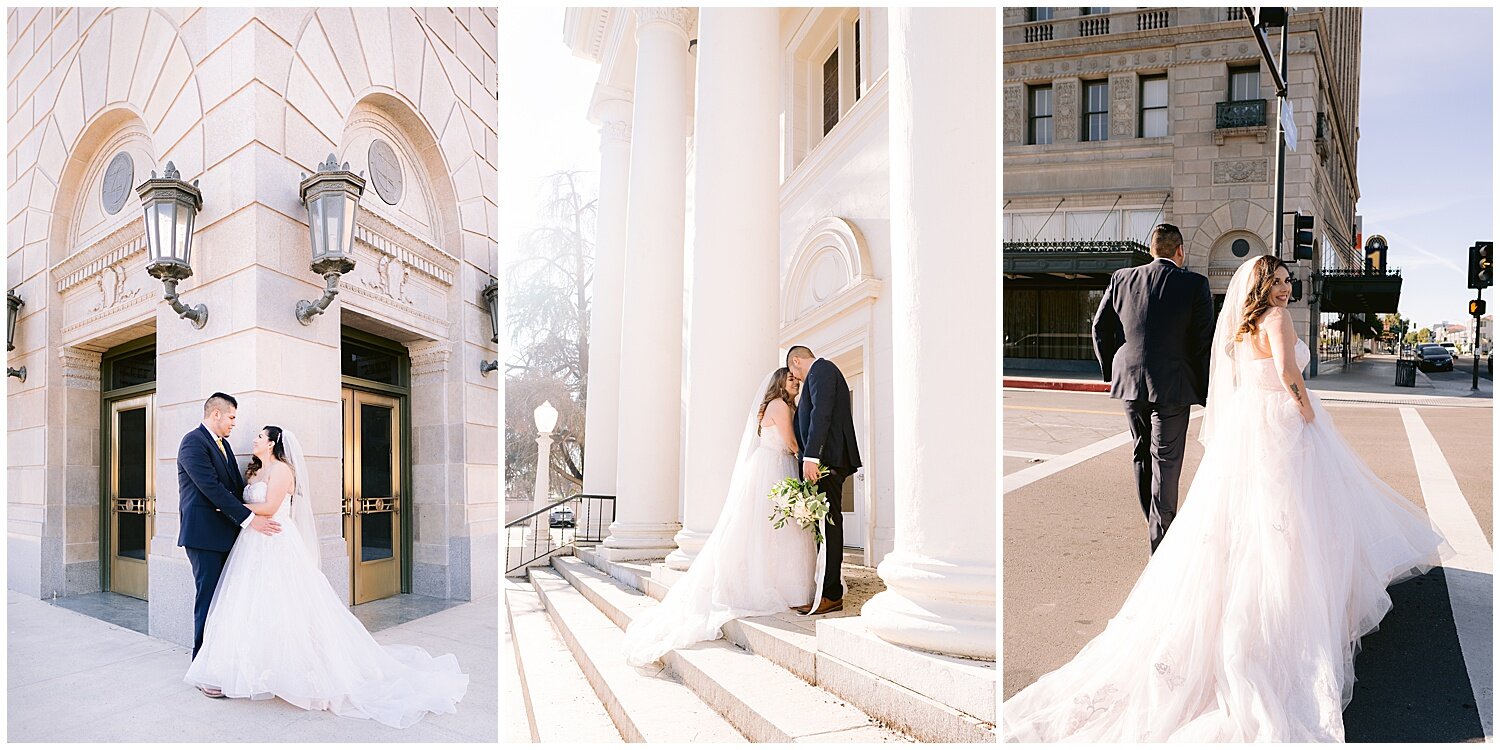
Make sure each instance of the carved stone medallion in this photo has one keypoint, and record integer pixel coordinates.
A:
(385, 171)
(117, 182)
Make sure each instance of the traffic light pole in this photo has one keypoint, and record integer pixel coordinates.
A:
(1478, 295)
(1281, 146)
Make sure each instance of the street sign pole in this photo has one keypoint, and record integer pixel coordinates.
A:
(1281, 145)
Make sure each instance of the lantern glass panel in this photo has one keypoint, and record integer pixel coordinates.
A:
(153, 242)
(335, 225)
(183, 227)
(346, 242)
(315, 215)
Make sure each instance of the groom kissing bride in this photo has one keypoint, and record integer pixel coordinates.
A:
(800, 424)
(266, 622)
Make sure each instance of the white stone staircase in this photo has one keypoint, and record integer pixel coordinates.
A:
(762, 684)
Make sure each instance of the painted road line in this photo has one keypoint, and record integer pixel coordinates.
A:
(1468, 572)
(1016, 480)
(1035, 456)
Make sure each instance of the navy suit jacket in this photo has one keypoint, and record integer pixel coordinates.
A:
(825, 420)
(209, 490)
(1153, 333)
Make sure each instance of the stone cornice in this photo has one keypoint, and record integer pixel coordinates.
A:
(387, 238)
(125, 242)
(430, 359)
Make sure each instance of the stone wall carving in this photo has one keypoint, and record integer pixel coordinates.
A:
(430, 359)
(1236, 171)
(1065, 110)
(1015, 114)
(80, 368)
(1124, 91)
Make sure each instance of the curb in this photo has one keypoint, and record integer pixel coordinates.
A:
(1055, 385)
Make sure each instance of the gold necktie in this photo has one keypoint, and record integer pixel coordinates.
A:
(220, 442)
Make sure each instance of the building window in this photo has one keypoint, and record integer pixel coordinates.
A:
(1040, 14)
(1095, 11)
(831, 91)
(1096, 114)
(859, 73)
(1041, 114)
(1153, 107)
(1244, 83)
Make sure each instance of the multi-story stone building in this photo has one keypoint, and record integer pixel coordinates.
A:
(1116, 120)
(398, 421)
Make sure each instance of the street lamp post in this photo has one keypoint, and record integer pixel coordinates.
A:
(546, 419)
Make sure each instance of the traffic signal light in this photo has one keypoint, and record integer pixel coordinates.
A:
(1302, 237)
(1481, 261)
(1476, 307)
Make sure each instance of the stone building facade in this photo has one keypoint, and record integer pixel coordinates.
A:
(385, 389)
(1165, 115)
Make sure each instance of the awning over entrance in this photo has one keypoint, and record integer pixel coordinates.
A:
(1358, 291)
(1087, 263)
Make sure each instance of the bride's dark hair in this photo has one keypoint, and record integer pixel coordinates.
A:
(278, 449)
(776, 390)
(1258, 296)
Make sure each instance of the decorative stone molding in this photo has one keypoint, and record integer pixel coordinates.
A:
(430, 359)
(1065, 113)
(80, 368)
(1234, 171)
(385, 238)
(1259, 131)
(831, 263)
(680, 18)
(1015, 114)
(111, 280)
(81, 266)
(615, 131)
(1124, 90)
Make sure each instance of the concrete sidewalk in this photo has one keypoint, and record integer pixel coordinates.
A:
(73, 678)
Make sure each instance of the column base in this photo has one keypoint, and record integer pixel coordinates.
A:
(937, 606)
(689, 544)
(638, 541)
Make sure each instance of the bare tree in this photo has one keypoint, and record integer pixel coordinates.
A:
(548, 304)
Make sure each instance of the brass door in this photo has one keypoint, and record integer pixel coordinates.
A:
(372, 494)
(132, 493)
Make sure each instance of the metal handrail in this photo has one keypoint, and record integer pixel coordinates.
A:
(540, 549)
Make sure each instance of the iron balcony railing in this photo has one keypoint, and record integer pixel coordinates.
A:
(1091, 24)
(569, 522)
(1072, 246)
(1246, 113)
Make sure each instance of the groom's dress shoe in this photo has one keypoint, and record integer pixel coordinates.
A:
(826, 606)
(211, 692)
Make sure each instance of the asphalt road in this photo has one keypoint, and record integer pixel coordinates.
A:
(1075, 542)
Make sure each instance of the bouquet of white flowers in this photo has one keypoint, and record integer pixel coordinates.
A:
(799, 501)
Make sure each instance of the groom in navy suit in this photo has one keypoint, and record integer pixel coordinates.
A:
(209, 489)
(825, 435)
(1152, 334)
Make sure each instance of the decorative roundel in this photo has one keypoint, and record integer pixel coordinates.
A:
(385, 171)
(1240, 248)
(117, 182)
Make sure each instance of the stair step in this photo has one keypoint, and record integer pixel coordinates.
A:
(512, 692)
(560, 704)
(763, 701)
(644, 707)
(781, 639)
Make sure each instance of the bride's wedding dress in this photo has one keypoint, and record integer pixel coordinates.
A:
(746, 568)
(1244, 625)
(277, 628)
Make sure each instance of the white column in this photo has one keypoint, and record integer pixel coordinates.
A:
(602, 418)
(733, 316)
(940, 579)
(651, 316)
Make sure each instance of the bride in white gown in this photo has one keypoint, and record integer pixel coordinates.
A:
(277, 628)
(1244, 625)
(746, 567)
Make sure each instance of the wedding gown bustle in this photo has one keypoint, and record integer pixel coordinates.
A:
(1245, 623)
(746, 568)
(277, 628)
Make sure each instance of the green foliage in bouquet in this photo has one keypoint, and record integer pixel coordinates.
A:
(799, 501)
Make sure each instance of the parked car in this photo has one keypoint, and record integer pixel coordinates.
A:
(1433, 357)
(1451, 347)
(561, 517)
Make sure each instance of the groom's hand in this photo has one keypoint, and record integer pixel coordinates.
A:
(810, 471)
(265, 525)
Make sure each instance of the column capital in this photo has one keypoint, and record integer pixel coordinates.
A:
(80, 367)
(615, 131)
(680, 19)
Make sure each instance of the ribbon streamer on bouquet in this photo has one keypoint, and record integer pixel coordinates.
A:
(817, 592)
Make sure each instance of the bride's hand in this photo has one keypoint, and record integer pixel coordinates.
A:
(1308, 415)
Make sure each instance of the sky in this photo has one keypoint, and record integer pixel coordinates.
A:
(1426, 150)
(544, 125)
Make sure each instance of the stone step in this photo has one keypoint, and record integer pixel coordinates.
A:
(763, 701)
(782, 639)
(517, 729)
(643, 706)
(560, 705)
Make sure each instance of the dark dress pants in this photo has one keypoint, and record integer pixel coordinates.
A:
(208, 565)
(1160, 434)
(833, 534)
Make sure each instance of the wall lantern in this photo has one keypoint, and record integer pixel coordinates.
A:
(331, 195)
(16, 303)
(171, 207)
(491, 294)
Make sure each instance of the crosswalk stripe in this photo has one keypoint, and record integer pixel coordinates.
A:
(1016, 480)
(1470, 583)
(1027, 454)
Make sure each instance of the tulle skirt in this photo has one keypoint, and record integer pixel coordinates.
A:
(746, 568)
(277, 628)
(1245, 623)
